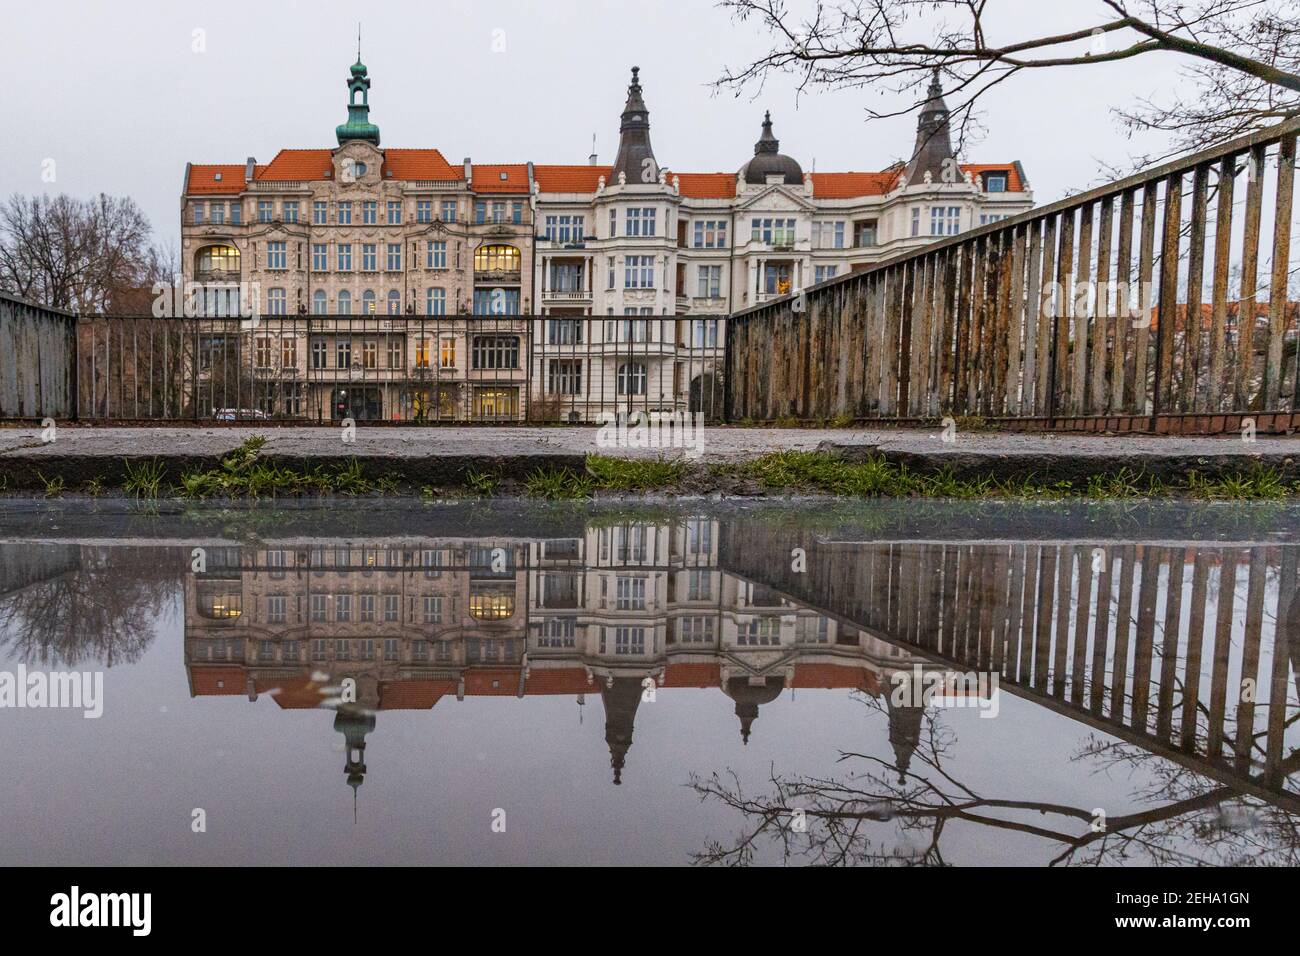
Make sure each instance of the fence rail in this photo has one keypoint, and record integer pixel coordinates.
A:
(1162, 294)
(36, 372)
(397, 368)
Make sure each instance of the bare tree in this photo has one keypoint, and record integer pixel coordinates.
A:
(77, 254)
(1242, 56)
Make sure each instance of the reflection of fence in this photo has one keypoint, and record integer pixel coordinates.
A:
(36, 369)
(1188, 651)
(432, 369)
(1141, 298)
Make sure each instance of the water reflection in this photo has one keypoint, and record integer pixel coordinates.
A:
(1173, 659)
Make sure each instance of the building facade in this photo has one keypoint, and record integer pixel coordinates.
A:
(392, 284)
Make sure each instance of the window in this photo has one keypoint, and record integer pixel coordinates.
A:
(345, 213)
(370, 354)
(565, 229)
(367, 608)
(394, 302)
(345, 302)
(828, 235)
(319, 303)
(945, 220)
(772, 232)
(640, 221)
(218, 259)
(369, 257)
(290, 212)
(432, 610)
(777, 278)
(629, 640)
(864, 233)
(343, 612)
(495, 352)
(262, 355)
(705, 333)
(710, 234)
(289, 352)
(369, 212)
(396, 353)
(368, 302)
(995, 182)
(343, 353)
(447, 352)
(436, 254)
(639, 272)
(319, 256)
(319, 213)
(276, 302)
(217, 213)
(710, 282)
(236, 213)
(424, 210)
(631, 378)
(345, 256)
(630, 593)
(276, 257)
(394, 212)
(916, 222)
(822, 273)
(563, 332)
(319, 354)
(318, 611)
(627, 330)
(198, 213)
(759, 632)
(449, 210)
(394, 260)
(265, 210)
(435, 301)
(695, 630)
(988, 217)
(564, 377)
(496, 259)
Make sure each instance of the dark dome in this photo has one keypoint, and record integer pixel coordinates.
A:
(770, 161)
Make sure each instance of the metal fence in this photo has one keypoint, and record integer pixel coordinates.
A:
(1160, 296)
(398, 368)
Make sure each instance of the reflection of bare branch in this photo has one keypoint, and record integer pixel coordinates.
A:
(883, 814)
(105, 611)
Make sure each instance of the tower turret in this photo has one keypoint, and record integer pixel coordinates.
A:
(933, 151)
(636, 158)
(358, 126)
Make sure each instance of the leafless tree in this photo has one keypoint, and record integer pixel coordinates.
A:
(78, 254)
(1242, 56)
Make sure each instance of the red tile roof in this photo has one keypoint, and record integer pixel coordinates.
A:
(488, 178)
(419, 164)
(203, 180)
(297, 165)
(1014, 185)
(853, 185)
(570, 179)
(208, 681)
(413, 694)
(706, 185)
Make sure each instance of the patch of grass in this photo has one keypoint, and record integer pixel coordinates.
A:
(53, 486)
(388, 485)
(144, 478)
(555, 483)
(95, 487)
(350, 480)
(634, 474)
(482, 483)
(1258, 484)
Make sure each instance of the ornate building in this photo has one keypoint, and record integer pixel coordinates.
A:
(477, 276)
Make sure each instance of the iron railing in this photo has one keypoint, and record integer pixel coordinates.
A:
(398, 368)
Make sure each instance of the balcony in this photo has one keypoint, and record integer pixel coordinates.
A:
(566, 295)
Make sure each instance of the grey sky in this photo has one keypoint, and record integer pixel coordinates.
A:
(120, 101)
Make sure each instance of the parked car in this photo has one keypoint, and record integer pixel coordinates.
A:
(238, 414)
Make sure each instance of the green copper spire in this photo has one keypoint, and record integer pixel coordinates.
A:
(358, 126)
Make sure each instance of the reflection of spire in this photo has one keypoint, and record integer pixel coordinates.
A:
(904, 733)
(748, 696)
(354, 726)
(621, 697)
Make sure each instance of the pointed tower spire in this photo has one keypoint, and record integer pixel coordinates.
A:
(933, 149)
(358, 126)
(636, 158)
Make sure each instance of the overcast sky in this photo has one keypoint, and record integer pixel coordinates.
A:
(120, 100)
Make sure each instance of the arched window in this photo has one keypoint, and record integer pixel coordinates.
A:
(319, 303)
(394, 302)
(496, 259)
(345, 302)
(631, 378)
(435, 301)
(368, 302)
(216, 259)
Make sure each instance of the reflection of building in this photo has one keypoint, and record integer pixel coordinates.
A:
(321, 239)
(621, 610)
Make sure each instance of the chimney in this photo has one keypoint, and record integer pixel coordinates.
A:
(248, 169)
(591, 160)
(469, 170)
